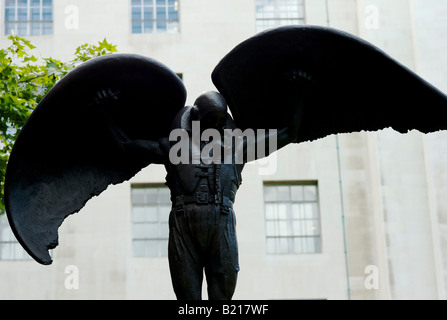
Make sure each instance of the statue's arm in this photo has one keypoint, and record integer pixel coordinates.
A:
(153, 151)
(272, 140)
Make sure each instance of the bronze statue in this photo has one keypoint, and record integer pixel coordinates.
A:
(114, 115)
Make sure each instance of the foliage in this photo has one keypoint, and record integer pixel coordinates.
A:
(24, 81)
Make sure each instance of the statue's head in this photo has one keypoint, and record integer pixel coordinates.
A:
(210, 108)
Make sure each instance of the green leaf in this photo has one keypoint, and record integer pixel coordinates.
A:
(24, 81)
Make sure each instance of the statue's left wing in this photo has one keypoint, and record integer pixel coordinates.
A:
(335, 82)
(67, 152)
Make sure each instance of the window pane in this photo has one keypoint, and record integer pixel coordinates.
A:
(47, 28)
(136, 13)
(138, 196)
(271, 212)
(270, 229)
(22, 14)
(310, 210)
(10, 3)
(310, 193)
(148, 27)
(282, 211)
(283, 193)
(152, 248)
(282, 245)
(161, 26)
(163, 212)
(10, 14)
(297, 211)
(173, 27)
(139, 231)
(47, 3)
(22, 3)
(308, 228)
(137, 27)
(309, 245)
(152, 231)
(9, 27)
(164, 196)
(148, 13)
(270, 193)
(297, 228)
(36, 29)
(172, 13)
(317, 244)
(163, 244)
(139, 214)
(35, 14)
(283, 229)
(35, 3)
(297, 193)
(164, 230)
(47, 14)
(298, 245)
(22, 29)
(139, 248)
(151, 195)
(161, 15)
(151, 213)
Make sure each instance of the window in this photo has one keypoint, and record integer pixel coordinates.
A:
(292, 219)
(28, 17)
(155, 16)
(275, 13)
(10, 249)
(151, 206)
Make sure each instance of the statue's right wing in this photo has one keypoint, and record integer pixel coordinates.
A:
(68, 152)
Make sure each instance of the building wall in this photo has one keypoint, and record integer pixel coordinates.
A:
(381, 195)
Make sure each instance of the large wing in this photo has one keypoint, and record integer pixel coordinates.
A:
(66, 153)
(341, 83)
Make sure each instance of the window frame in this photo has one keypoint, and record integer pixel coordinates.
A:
(44, 27)
(261, 23)
(286, 223)
(143, 222)
(155, 21)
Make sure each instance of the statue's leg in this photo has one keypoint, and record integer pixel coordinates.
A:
(184, 262)
(222, 265)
